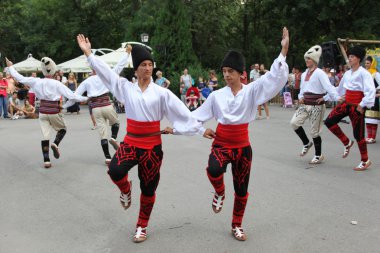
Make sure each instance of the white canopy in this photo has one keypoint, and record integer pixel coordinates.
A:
(80, 64)
(29, 65)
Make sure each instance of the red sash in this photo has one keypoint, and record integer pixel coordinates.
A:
(141, 128)
(232, 136)
(354, 97)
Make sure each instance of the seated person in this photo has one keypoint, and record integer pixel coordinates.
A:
(192, 101)
(29, 110)
(14, 106)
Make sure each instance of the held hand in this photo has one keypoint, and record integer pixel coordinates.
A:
(285, 41)
(360, 109)
(301, 101)
(128, 48)
(168, 130)
(341, 99)
(84, 44)
(320, 100)
(8, 62)
(209, 134)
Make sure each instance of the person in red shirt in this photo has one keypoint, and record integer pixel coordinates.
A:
(194, 89)
(3, 96)
(297, 84)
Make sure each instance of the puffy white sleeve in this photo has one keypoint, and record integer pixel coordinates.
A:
(179, 115)
(368, 90)
(300, 95)
(120, 65)
(204, 112)
(66, 92)
(340, 89)
(81, 89)
(109, 78)
(332, 94)
(30, 81)
(268, 85)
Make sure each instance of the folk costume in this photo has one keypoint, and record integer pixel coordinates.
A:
(359, 89)
(102, 109)
(231, 144)
(142, 143)
(314, 85)
(49, 91)
(372, 115)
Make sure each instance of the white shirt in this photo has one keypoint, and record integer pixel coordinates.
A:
(254, 75)
(46, 88)
(359, 80)
(151, 105)
(234, 110)
(318, 83)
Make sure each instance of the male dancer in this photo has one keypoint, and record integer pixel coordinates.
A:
(372, 115)
(49, 91)
(145, 105)
(101, 107)
(234, 106)
(359, 91)
(314, 85)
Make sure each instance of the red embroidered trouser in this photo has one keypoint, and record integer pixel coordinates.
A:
(240, 159)
(358, 125)
(149, 164)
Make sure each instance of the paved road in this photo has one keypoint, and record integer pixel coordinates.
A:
(293, 207)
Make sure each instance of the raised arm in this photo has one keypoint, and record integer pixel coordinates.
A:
(109, 78)
(268, 85)
(123, 61)
(30, 81)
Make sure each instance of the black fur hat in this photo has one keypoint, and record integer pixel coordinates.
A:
(358, 51)
(140, 54)
(235, 60)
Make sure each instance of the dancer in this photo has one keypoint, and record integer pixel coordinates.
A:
(372, 115)
(312, 97)
(49, 91)
(359, 91)
(102, 109)
(234, 106)
(145, 105)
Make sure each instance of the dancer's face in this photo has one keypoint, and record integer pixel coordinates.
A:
(145, 70)
(231, 76)
(353, 60)
(310, 63)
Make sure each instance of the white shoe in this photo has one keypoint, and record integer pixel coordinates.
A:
(47, 165)
(114, 143)
(107, 161)
(217, 203)
(316, 159)
(306, 148)
(239, 234)
(126, 198)
(140, 235)
(94, 127)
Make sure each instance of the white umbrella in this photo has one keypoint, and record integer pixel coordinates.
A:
(29, 65)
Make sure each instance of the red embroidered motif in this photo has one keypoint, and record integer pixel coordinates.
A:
(150, 164)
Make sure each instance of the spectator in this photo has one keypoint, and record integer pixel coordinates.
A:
(63, 78)
(14, 106)
(334, 80)
(243, 77)
(201, 86)
(192, 101)
(3, 96)
(297, 84)
(262, 72)
(185, 84)
(72, 84)
(254, 74)
(213, 81)
(29, 111)
(31, 95)
(162, 81)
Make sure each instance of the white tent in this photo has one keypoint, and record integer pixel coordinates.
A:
(80, 64)
(29, 65)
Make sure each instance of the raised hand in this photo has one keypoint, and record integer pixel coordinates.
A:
(285, 41)
(84, 44)
(128, 48)
(8, 62)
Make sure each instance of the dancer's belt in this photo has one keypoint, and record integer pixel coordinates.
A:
(311, 98)
(49, 107)
(144, 135)
(232, 136)
(100, 101)
(354, 97)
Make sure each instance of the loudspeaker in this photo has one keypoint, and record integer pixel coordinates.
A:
(331, 56)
